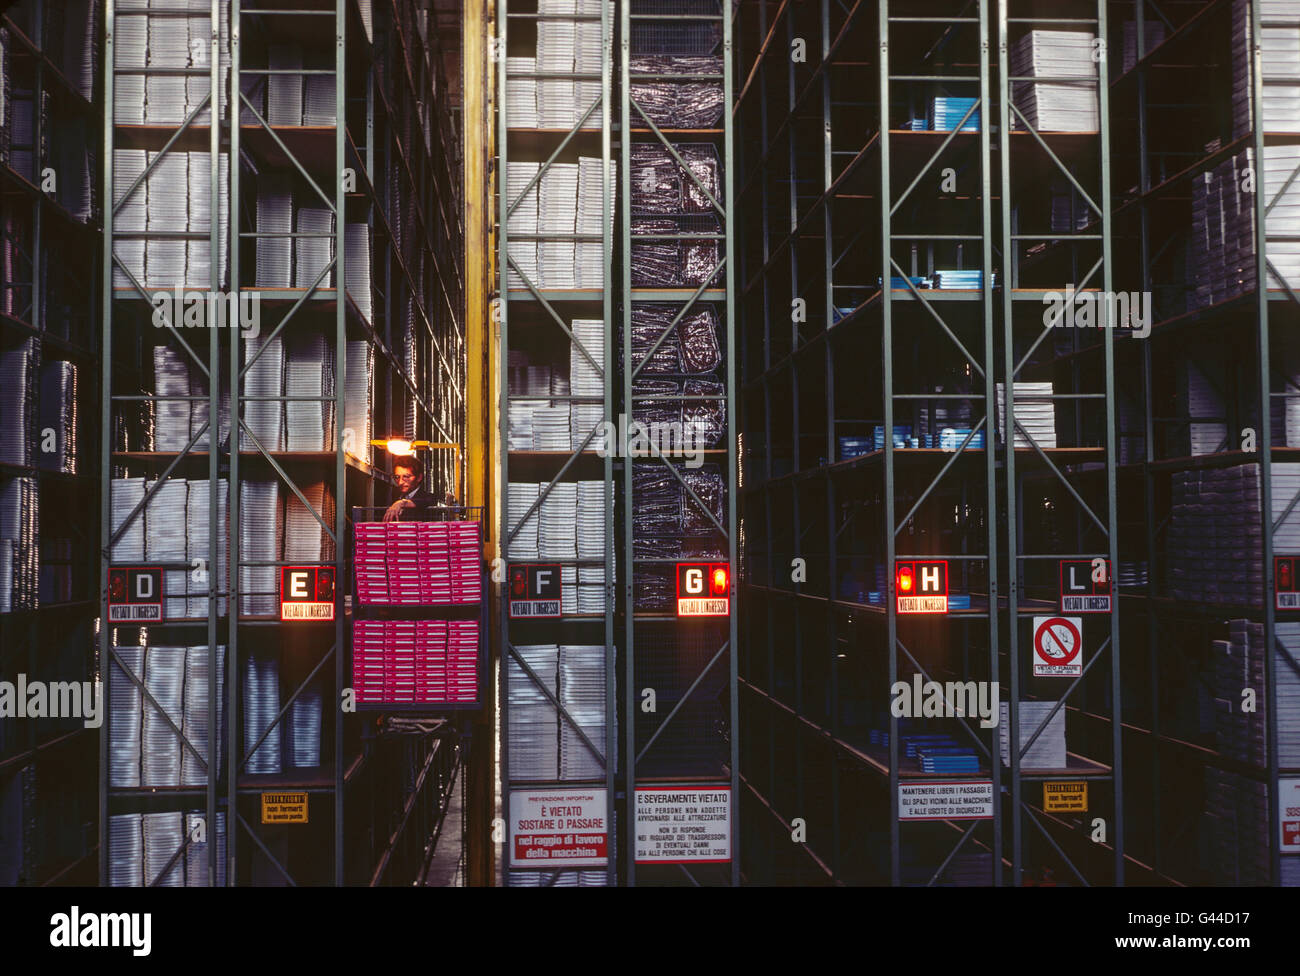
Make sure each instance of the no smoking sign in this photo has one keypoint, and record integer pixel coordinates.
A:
(1058, 647)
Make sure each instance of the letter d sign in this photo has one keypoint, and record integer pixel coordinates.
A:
(143, 586)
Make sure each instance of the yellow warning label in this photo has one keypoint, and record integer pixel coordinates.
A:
(1065, 797)
(282, 808)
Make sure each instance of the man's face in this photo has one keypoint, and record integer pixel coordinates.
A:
(406, 478)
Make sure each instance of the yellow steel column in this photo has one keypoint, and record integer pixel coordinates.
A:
(480, 399)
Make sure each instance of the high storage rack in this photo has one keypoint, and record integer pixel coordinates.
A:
(662, 287)
(318, 191)
(910, 206)
(1210, 475)
(49, 215)
(554, 109)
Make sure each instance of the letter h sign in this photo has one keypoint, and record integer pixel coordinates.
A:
(921, 586)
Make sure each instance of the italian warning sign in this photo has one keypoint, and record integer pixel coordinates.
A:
(1058, 646)
(559, 828)
(1066, 797)
(683, 824)
(282, 808)
(946, 800)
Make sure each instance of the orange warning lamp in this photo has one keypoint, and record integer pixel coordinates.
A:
(719, 580)
(905, 579)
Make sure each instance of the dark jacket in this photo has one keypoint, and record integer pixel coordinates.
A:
(424, 500)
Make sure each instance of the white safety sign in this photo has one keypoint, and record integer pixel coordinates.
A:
(552, 828)
(950, 799)
(1058, 646)
(683, 824)
(1288, 798)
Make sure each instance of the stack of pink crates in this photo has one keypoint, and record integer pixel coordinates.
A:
(418, 563)
(410, 564)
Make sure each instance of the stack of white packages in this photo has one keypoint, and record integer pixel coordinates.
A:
(164, 679)
(284, 91)
(1286, 678)
(318, 103)
(556, 40)
(588, 54)
(198, 546)
(196, 856)
(18, 367)
(556, 214)
(164, 835)
(1034, 416)
(521, 94)
(132, 215)
(19, 519)
(1280, 56)
(1238, 664)
(557, 529)
(312, 254)
(357, 382)
(356, 259)
(166, 210)
(199, 411)
(1282, 196)
(1203, 403)
(261, 704)
(1048, 750)
(198, 253)
(551, 427)
(303, 727)
(165, 541)
(594, 878)
(521, 426)
(522, 496)
(582, 693)
(130, 52)
(169, 48)
(126, 703)
(124, 495)
(172, 412)
(264, 378)
(308, 374)
(1056, 106)
(1236, 828)
(260, 533)
(590, 255)
(534, 723)
(591, 524)
(304, 537)
(591, 587)
(586, 380)
(569, 590)
(125, 851)
(1155, 34)
(523, 220)
(274, 216)
(1223, 233)
(200, 38)
(1215, 531)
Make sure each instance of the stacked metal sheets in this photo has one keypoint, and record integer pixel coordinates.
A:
(582, 693)
(260, 533)
(261, 704)
(521, 497)
(556, 215)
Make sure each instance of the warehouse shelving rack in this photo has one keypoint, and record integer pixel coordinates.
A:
(52, 641)
(831, 166)
(535, 311)
(696, 648)
(387, 166)
(1165, 96)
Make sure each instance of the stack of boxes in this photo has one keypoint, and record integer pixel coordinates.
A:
(415, 564)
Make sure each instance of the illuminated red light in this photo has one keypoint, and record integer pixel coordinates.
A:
(719, 580)
(905, 581)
